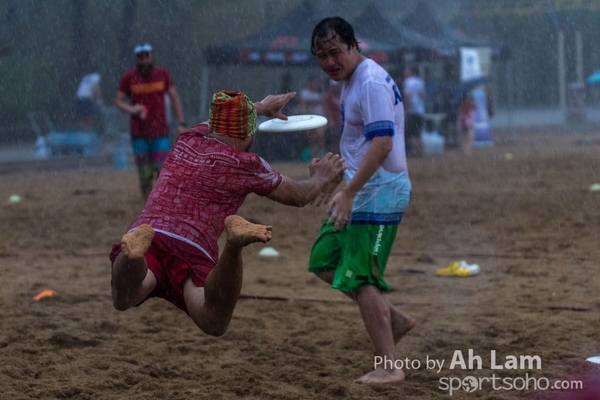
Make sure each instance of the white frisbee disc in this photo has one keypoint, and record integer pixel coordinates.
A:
(268, 252)
(594, 359)
(293, 124)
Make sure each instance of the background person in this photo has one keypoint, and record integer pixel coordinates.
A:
(414, 96)
(171, 249)
(449, 105)
(141, 94)
(331, 105)
(311, 102)
(89, 100)
(468, 114)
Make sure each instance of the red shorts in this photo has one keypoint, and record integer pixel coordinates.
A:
(172, 261)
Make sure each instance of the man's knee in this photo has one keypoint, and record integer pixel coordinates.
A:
(212, 325)
(326, 276)
(216, 329)
(120, 305)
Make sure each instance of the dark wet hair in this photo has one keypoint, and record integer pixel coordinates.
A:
(339, 26)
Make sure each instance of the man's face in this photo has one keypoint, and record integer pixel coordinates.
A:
(334, 57)
(144, 62)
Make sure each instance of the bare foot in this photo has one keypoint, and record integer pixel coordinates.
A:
(137, 242)
(381, 375)
(401, 324)
(241, 232)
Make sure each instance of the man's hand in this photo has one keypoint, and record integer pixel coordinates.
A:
(340, 208)
(137, 109)
(328, 168)
(272, 105)
(325, 195)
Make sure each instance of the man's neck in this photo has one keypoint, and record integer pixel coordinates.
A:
(360, 59)
(236, 143)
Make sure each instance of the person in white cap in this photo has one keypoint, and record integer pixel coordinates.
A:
(141, 94)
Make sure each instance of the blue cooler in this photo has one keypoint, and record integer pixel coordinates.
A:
(73, 143)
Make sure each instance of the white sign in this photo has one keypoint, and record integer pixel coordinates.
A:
(470, 64)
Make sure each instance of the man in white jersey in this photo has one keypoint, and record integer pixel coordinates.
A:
(355, 242)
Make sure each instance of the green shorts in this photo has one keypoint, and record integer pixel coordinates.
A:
(358, 254)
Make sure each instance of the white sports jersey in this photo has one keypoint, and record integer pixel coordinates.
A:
(86, 86)
(372, 106)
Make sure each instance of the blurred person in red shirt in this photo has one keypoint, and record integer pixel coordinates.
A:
(141, 94)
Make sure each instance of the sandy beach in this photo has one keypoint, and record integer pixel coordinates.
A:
(529, 220)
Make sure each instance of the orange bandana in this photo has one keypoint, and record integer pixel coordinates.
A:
(233, 114)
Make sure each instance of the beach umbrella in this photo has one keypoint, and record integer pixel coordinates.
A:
(594, 78)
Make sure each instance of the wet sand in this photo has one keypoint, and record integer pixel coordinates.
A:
(530, 222)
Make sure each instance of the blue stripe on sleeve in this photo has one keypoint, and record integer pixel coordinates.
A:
(379, 128)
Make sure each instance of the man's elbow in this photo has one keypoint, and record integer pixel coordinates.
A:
(303, 202)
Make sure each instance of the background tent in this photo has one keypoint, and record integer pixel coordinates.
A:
(424, 20)
(421, 36)
(371, 23)
(284, 42)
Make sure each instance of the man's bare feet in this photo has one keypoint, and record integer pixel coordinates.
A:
(242, 233)
(137, 242)
(381, 375)
(130, 268)
(401, 324)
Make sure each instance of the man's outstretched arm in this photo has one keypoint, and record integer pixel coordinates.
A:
(300, 193)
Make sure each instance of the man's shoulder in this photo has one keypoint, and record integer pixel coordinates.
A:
(130, 72)
(373, 72)
(129, 76)
(211, 150)
(161, 71)
(199, 129)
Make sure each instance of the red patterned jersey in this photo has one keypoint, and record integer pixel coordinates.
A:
(201, 183)
(150, 92)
